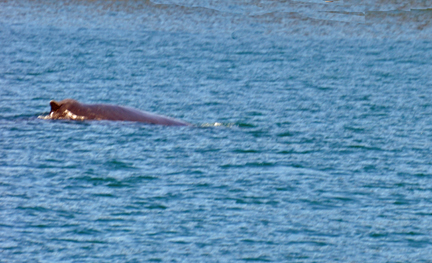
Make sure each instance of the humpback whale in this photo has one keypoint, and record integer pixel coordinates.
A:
(70, 109)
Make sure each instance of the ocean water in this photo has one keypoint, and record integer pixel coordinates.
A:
(311, 140)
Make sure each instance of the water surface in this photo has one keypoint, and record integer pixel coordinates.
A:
(312, 138)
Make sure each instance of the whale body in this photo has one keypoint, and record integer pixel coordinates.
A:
(70, 109)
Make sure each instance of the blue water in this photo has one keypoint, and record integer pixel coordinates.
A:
(312, 136)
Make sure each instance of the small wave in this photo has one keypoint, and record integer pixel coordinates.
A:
(21, 117)
(46, 117)
(217, 124)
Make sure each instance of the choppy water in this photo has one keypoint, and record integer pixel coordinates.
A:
(312, 139)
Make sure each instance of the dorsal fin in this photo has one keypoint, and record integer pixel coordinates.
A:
(54, 105)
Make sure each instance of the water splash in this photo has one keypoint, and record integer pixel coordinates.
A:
(217, 124)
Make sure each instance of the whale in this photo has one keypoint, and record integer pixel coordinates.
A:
(70, 109)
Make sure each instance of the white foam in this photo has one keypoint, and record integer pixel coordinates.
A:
(72, 116)
(68, 116)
